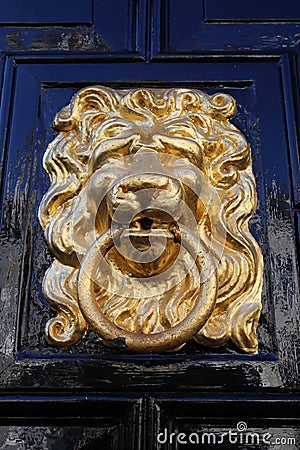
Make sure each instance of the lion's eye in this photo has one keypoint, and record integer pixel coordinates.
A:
(115, 130)
(181, 131)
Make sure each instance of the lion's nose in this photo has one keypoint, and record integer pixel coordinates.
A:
(147, 160)
(144, 182)
(158, 197)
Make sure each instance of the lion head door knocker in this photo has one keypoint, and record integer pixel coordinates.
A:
(147, 218)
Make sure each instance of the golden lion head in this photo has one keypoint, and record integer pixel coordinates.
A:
(147, 217)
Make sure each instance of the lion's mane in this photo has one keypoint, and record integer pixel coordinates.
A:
(226, 162)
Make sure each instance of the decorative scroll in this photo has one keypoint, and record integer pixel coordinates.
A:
(147, 218)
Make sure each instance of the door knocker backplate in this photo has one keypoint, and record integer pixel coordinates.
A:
(147, 218)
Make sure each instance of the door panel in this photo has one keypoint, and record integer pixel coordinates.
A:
(33, 12)
(112, 28)
(152, 44)
(256, 11)
(45, 85)
(68, 423)
(195, 27)
(246, 423)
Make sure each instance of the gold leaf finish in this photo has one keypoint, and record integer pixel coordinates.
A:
(147, 218)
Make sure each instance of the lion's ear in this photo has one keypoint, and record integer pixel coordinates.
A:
(87, 105)
(220, 106)
(63, 120)
(225, 156)
(213, 148)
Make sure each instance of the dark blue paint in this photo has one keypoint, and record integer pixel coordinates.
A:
(37, 12)
(49, 50)
(45, 84)
(254, 11)
(195, 27)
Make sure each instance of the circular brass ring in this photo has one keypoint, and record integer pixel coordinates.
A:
(167, 340)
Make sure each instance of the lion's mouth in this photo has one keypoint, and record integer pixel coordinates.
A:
(145, 249)
(145, 223)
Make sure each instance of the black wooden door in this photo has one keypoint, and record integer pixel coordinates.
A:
(92, 397)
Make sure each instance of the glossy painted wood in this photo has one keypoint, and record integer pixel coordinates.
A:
(248, 53)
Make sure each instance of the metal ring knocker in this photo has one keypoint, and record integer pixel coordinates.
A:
(166, 340)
